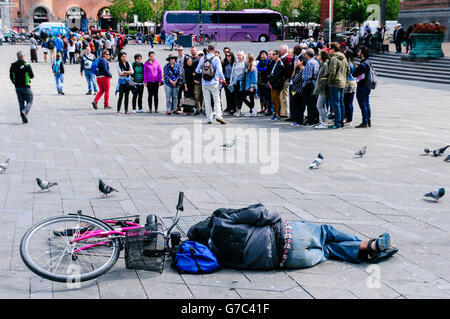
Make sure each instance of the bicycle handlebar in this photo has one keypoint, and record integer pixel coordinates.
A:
(180, 201)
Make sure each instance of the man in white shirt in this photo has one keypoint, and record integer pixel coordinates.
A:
(211, 88)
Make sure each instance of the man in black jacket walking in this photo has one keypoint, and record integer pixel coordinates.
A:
(21, 74)
(276, 83)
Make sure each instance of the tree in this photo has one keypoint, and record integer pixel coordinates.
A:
(143, 9)
(120, 10)
(286, 7)
(308, 11)
(392, 9)
(194, 5)
(356, 11)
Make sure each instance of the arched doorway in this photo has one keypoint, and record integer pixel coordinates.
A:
(105, 19)
(76, 19)
(40, 15)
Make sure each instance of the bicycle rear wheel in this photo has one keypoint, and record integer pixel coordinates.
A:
(48, 249)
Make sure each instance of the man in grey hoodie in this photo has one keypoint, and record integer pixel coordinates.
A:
(337, 73)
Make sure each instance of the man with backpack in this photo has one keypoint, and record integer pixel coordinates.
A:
(85, 65)
(51, 49)
(210, 67)
(21, 74)
(366, 77)
(58, 72)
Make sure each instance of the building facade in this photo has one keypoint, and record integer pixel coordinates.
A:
(423, 11)
(76, 14)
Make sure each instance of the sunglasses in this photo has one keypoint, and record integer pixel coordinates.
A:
(179, 50)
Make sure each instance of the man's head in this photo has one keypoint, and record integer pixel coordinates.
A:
(310, 54)
(276, 54)
(284, 49)
(193, 51)
(363, 52)
(211, 48)
(20, 55)
(334, 47)
(88, 50)
(270, 54)
(180, 51)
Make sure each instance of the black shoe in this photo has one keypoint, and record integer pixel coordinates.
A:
(362, 125)
(289, 119)
(24, 117)
(94, 105)
(62, 93)
(89, 93)
(221, 121)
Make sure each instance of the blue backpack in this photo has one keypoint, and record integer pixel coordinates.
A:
(194, 258)
(56, 66)
(94, 67)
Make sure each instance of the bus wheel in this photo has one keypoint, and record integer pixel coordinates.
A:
(263, 38)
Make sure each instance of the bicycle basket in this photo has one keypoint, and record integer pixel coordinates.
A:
(144, 249)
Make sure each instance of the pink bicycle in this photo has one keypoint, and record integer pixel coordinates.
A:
(80, 248)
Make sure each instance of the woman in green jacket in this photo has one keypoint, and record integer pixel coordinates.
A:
(321, 90)
(138, 79)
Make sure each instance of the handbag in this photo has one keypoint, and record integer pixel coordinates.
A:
(187, 101)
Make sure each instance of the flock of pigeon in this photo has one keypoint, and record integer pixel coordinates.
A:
(436, 194)
(46, 185)
(105, 189)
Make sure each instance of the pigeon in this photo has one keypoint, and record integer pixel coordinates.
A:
(427, 150)
(437, 194)
(317, 162)
(4, 166)
(361, 152)
(229, 144)
(44, 184)
(105, 189)
(440, 151)
(447, 159)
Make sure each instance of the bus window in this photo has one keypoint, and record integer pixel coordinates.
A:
(181, 18)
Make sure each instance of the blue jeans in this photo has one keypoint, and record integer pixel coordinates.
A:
(336, 98)
(348, 101)
(90, 78)
(59, 79)
(171, 97)
(362, 95)
(313, 244)
(24, 95)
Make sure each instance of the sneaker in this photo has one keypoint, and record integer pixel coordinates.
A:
(248, 114)
(295, 124)
(238, 113)
(275, 117)
(156, 111)
(89, 93)
(168, 113)
(127, 113)
(176, 112)
(94, 105)
(150, 111)
(134, 111)
(362, 125)
(334, 127)
(62, 93)
(321, 126)
(254, 113)
(107, 107)
(24, 117)
(262, 112)
(221, 121)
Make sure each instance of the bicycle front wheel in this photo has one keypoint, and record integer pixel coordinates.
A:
(49, 249)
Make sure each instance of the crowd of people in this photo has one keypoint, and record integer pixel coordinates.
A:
(312, 84)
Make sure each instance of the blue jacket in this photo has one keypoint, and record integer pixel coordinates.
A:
(250, 80)
(59, 44)
(103, 68)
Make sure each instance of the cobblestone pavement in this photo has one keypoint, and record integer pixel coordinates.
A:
(69, 142)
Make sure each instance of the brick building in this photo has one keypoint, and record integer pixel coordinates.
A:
(76, 14)
(418, 11)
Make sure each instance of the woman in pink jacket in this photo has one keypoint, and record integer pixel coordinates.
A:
(152, 79)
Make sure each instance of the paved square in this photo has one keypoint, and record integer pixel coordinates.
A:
(69, 142)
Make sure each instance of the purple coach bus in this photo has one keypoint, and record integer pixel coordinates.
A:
(246, 25)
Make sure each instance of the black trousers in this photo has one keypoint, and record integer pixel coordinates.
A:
(137, 95)
(152, 89)
(124, 90)
(231, 103)
(310, 101)
(251, 101)
(297, 107)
